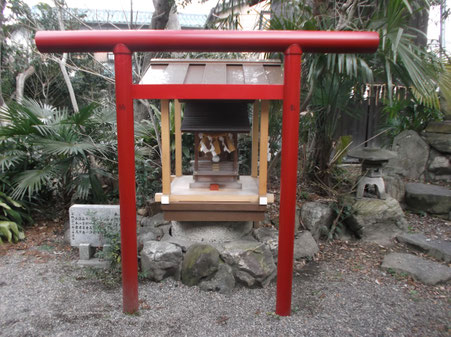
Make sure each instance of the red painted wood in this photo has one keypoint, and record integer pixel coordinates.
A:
(207, 91)
(206, 40)
(288, 178)
(127, 195)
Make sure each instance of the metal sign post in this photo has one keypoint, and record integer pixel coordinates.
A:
(123, 43)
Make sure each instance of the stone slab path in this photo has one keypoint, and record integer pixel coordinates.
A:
(440, 249)
(428, 272)
(429, 198)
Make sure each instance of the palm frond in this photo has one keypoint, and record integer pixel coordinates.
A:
(10, 158)
(83, 115)
(62, 148)
(445, 83)
(82, 186)
(31, 181)
(102, 116)
(18, 120)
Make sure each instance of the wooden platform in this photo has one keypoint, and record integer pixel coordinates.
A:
(202, 204)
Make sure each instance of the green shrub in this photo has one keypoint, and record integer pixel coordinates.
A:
(13, 216)
(408, 114)
(110, 234)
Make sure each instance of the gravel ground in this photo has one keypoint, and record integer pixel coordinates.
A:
(341, 293)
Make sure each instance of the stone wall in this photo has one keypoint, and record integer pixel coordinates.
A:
(425, 156)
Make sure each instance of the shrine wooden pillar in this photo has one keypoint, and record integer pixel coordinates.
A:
(178, 137)
(263, 167)
(165, 151)
(255, 129)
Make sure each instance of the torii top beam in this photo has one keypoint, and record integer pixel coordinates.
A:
(206, 41)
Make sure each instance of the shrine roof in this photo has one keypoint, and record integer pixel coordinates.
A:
(225, 72)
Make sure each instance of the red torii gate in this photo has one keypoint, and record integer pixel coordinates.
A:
(124, 43)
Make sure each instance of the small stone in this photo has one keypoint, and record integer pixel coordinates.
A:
(153, 207)
(270, 236)
(440, 249)
(152, 234)
(316, 216)
(142, 211)
(305, 245)
(86, 251)
(200, 262)
(160, 260)
(154, 221)
(222, 282)
(252, 262)
(428, 272)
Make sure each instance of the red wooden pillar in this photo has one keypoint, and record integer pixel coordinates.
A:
(126, 156)
(290, 141)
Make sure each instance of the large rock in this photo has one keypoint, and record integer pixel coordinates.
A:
(305, 245)
(413, 153)
(160, 260)
(440, 249)
(439, 166)
(297, 220)
(375, 220)
(149, 234)
(439, 127)
(425, 271)
(395, 186)
(184, 244)
(200, 262)
(156, 220)
(269, 236)
(252, 262)
(439, 141)
(429, 198)
(153, 207)
(222, 282)
(211, 232)
(317, 218)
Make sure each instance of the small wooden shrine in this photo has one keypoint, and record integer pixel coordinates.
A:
(215, 191)
(215, 125)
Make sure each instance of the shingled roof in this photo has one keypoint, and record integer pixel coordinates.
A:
(180, 71)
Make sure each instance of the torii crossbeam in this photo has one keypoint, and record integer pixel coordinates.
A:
(124, 43)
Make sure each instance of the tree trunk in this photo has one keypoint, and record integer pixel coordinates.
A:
(63, 61)
(20, 82)
(160, 18)
(419, 21)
